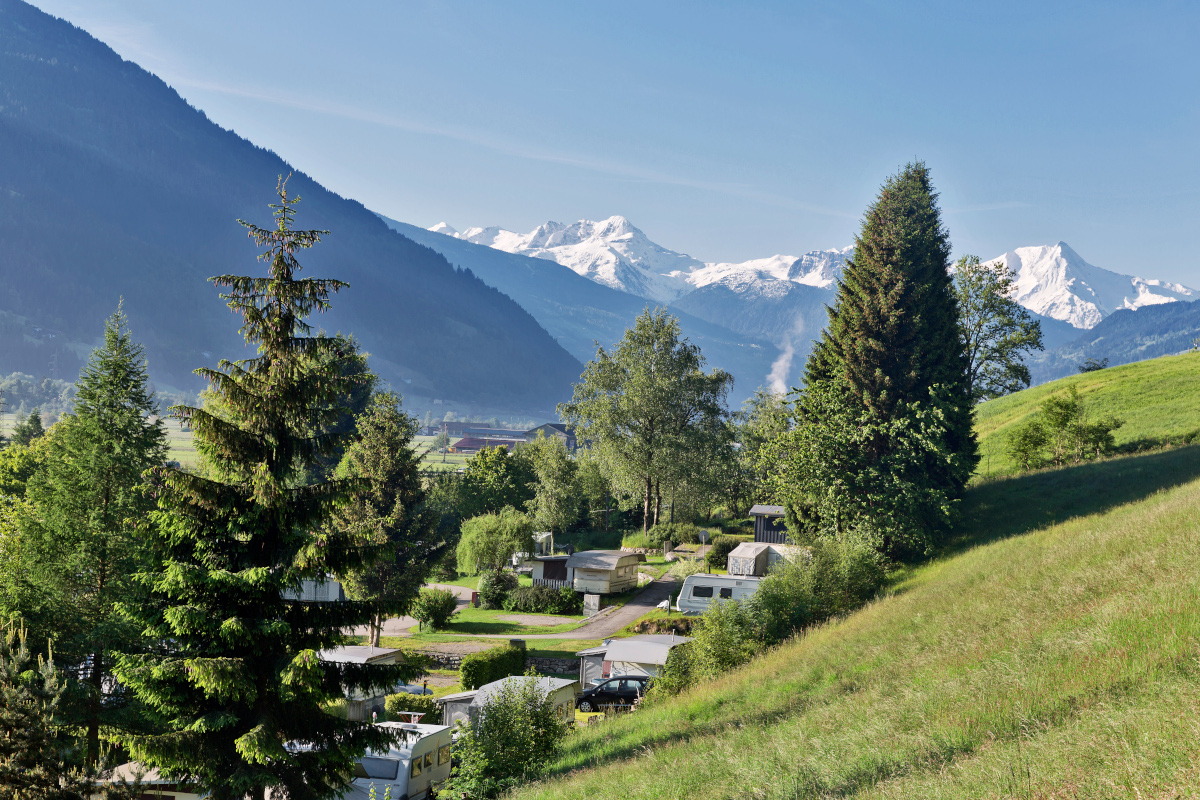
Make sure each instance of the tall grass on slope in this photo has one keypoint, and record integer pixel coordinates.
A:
(1157, 399)
(991, 673)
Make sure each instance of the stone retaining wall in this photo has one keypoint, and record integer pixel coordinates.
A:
(645, 551)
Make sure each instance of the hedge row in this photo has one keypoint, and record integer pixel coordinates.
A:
(395, 703)
(544, 600)
(491, 665)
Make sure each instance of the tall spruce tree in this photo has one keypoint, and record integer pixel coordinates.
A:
(83, 539)
(893, 332)
(388, 513)
(234, 664)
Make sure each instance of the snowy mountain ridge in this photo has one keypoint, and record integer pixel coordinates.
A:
(1051, 280)
(615, 253)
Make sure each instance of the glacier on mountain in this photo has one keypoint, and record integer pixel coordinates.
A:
(1056, 282)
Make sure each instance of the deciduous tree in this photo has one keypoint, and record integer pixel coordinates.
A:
(649, 407)
(996, 330)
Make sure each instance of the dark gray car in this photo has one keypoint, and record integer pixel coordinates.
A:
(623, 690)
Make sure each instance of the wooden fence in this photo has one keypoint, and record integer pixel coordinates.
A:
(553, 584)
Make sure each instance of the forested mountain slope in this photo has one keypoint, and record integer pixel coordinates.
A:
(1050, 652)
(111, 185)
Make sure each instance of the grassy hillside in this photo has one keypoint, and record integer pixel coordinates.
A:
(1055, 652)
(1159, 400)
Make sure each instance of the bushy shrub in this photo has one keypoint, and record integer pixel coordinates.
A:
(638, 540)
(1061, 433)
(681, 626)
(515, 736)
(676, 533)
(722, 546)
(543, 600)
(685, 567)
(494, 587)
(834, 577)
(422, 703)
(491, 665)
(435, 607)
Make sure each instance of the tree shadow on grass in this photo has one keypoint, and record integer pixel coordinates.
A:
(1007, 507)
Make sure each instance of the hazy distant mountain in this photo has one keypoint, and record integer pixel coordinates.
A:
(112, 186)
(580, 312)
(1055, 281)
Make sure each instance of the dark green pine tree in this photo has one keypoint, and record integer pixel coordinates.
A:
(84, 539)
(234, 667)
(893, 329)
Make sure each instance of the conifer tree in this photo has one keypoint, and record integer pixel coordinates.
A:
(28, 428)
(388, 513)
(893, 332)
(32, 762)
(234, 664)
(84, 539)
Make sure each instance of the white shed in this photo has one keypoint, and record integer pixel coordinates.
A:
(604, 571)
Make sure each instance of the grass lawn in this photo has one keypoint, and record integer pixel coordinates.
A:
(473, 621)
(472, 581)
(537, 648)
(1157, 399)
(1052, 651)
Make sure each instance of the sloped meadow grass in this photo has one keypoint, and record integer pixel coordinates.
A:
(1053, 652)
(1157, 399)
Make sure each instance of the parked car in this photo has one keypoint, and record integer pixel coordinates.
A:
(622, 690)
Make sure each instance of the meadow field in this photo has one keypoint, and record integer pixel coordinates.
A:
(1157, 400)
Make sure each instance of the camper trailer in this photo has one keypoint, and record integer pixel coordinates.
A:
(701, 590)
(414, 767)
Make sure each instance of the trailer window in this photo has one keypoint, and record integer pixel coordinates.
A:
(726, 592)
(416, 767)
(369, 767)
(443, 755)
(702, 591)
(429, 760)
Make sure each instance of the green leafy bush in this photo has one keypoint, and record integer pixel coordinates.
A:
(676, 533)
(494, 588)
(1061, 433)
(517, 733)
(435, 607)
(544, 600)
(722, 546)
(478, 669)
(421, 703)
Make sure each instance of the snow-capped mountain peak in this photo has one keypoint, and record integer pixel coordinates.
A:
(1055, 281)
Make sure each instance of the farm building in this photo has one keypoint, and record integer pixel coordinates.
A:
(358, 705)
(471, 445)
(604, 571)
(564, 432)
(769, 525)
(635, 655)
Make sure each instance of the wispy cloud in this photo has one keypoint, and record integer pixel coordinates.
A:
(497, 144)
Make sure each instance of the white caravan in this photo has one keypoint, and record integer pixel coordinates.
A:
(413, 768)
(701, 590)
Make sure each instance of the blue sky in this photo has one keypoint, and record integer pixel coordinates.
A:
(727, 131)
